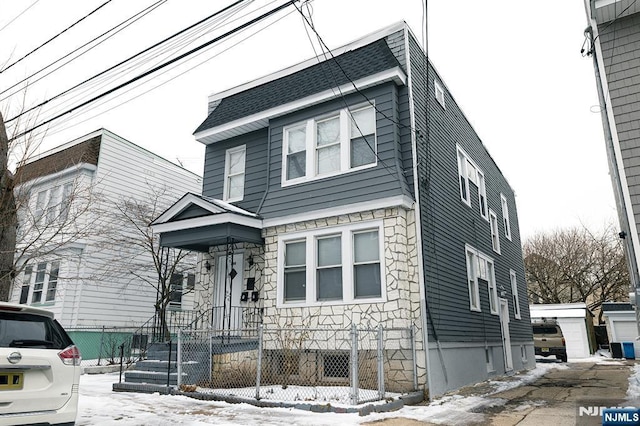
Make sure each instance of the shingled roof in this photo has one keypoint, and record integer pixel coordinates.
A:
(85, 152)
(350, 66)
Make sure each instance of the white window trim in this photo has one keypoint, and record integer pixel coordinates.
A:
(311, 149)
(482, 192)
(493, 222)
(505, 216)
(439, 94)
(462, 158)
(514, 293)
(45, 284)
(227, 164)
(310, 237)
(491, 279)
(472, 278)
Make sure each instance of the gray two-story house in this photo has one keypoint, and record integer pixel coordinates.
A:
(351, 189)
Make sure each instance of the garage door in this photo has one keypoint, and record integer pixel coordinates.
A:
(624, 331)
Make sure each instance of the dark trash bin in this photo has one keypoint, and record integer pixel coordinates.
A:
(629, 351)
(616, 350)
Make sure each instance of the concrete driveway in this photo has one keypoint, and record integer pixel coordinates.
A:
(553, 399)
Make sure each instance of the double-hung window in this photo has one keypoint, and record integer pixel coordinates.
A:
(514, 293)
(463, 177)
(495, 236)
(331, 266)
(295, 271)
(472, 280)
(328, 145)
(42, 282)
(480, 270)
(234, 171)
(366, 264)
(482, 196)
(469, 172)
(325, 146)
(53, 204)
(505, 216)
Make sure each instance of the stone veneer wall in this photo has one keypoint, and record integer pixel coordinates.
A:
(206, 283)
(402, 306)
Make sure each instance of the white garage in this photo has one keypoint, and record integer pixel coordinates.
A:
(576, 322)
(622, 326)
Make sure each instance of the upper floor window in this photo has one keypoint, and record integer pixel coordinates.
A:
(495, 237)
(329, 145)
(234, 170)
(469, 172)
(53, 204)
(505, 216)
(340, 265)
(439, 93)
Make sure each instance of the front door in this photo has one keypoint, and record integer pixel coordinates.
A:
(506, 336)
(228, 288)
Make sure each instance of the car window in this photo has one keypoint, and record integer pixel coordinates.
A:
(545, 330)
(31, 331)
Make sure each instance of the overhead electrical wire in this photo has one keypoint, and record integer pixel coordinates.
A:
(19, 15)
(105, 35)
(169, 80)
(56, 36)
(309, 22)
(103, 81)
(153, 70)
(125, 61)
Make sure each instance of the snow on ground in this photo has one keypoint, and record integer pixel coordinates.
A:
(100, 406)
(633, 391)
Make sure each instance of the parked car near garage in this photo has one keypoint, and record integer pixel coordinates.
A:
(39, 368)
(548, 340)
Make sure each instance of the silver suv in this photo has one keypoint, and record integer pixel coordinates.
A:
(39, 368)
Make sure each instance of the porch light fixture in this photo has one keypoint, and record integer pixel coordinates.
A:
(207, 265)
(250, 260)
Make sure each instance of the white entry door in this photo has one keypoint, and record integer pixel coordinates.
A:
(506, 336)
(228, 312)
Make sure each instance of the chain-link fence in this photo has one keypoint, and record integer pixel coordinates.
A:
(322, 365)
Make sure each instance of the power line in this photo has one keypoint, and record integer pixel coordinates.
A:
(172, 78)
(57, 35)
(19, 15)
(151, 71)
(124, 24)
(126, 60)
(155, 56)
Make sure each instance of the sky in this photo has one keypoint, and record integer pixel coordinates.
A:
(514, 68)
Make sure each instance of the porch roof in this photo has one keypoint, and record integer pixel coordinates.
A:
(196, 223)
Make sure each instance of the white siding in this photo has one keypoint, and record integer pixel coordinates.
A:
(84, 297)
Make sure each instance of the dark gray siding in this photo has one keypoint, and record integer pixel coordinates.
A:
(384, 180)
(620, 43)
(255, 168)
(448, 223)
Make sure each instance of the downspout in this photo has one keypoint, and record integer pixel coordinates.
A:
(418, 220)
(616, 167)
(268, 178)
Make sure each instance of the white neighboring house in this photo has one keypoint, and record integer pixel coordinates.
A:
(85, 179)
